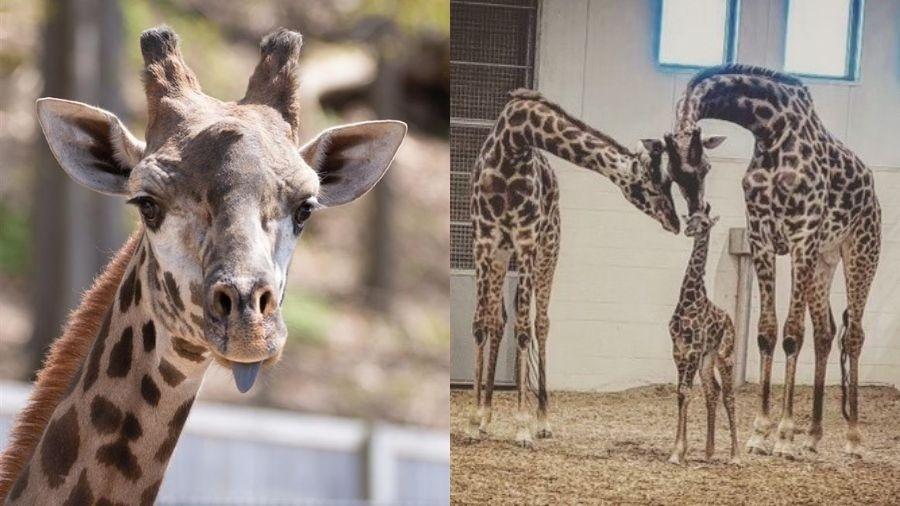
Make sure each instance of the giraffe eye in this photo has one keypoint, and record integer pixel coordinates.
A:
(150, 211)
(301, 214)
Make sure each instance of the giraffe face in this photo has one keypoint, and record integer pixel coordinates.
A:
(700, 222)
(223, 189)
(649, 188)
(688, 164)
(223, 204)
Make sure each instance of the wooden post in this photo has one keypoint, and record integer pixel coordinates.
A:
(739, 247)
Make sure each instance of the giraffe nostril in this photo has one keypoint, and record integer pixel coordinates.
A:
(222, 303)
(266, 301)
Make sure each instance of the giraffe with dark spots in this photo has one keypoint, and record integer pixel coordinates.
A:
(807, 195)
(702, 341)
(116, 390)
(515, 213)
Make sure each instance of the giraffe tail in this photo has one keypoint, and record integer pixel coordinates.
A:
(844, 363)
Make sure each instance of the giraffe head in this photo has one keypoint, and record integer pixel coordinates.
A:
(688, 163)
(700, 222)
(224, 189)
(650, 188)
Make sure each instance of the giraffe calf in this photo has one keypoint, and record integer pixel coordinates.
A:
(702, 339)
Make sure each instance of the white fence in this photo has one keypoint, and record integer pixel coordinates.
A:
(240, 455)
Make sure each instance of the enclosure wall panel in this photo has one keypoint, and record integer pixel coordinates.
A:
(619, 273)
(491, 53)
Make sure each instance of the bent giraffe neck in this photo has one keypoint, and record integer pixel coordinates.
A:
(113, 432)
(534, 122)
(766, 105)
(693, 286)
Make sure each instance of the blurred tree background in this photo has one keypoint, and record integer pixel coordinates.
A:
(368, 301)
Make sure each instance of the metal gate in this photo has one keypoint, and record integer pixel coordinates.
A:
(492, 44)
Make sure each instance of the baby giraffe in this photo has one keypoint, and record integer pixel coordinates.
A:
(702, 338)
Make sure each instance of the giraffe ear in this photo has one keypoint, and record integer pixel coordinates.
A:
(351, 159)
(653, 145)
(91, 144)
(712, 141)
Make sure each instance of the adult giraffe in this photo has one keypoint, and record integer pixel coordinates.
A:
(224, 190)
(515, 211)
(807, 195)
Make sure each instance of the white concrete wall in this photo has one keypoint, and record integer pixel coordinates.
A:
(619, 272)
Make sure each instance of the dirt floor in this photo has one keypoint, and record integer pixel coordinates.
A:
(612, 448)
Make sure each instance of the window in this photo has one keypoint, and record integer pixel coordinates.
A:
(696, 33)
(822, 38)
(492, 46)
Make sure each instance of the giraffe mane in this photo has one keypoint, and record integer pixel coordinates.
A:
(528, 94)
(61, 365)
(747, 70)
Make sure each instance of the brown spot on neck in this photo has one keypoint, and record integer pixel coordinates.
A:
(120, 355)
(59, 448)
(188, 350)
(175, 426)
(105, 416)
(149, 391)
(172, 376)
(81, 494)
(149, 495)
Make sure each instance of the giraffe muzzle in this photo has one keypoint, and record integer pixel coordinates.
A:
(244, 326)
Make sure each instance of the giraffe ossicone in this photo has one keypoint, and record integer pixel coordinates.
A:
(224, 190)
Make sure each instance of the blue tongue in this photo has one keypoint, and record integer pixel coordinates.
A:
(244, 374)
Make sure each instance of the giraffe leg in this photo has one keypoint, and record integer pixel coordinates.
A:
(525, 257)
(686, 370)
(823, 335)
(711, 393)
(488, 329)
(764, 264)
(725, 365)
(860, 256)
(544, 269)
(803, 269)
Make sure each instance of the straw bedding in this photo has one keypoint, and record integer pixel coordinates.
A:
(612, 448)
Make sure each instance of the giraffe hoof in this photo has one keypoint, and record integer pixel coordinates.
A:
(544, 433)
(757, 445)
(525, 443)
(784, 449)
(853, 450)
(676, 459)
(735, 461)
(474, 434)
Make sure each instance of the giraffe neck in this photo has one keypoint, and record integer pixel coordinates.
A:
(113, 432)
(693, 287)
(766, 104)
(534, 122)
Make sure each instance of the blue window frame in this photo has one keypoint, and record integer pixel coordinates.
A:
(822, 38)
(694, 34)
